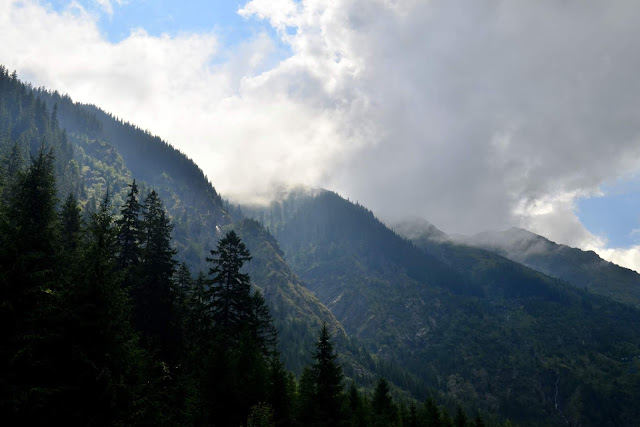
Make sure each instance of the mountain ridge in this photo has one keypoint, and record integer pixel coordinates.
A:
(454, 331)
(464, 324)
(583, 269)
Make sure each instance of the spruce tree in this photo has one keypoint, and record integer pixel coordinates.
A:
(280, 392)
(153, 296)
(108, 364)
(129, 231)
(432, 413)
(382, 404)
(71, 222)
(327, 375)
(261, 325)
(30, 297)
(230, 290)
(359, 416)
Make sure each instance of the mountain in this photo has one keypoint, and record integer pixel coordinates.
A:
(466, 322)
(111, 153)
(583, 269)
(419, 229)
(463, 324)
(95, 152)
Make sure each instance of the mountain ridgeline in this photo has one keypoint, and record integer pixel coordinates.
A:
(106, 327)
(423, 327)
(583, 269)
(464, 321)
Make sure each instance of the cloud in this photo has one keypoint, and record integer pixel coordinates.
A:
(481, 114)
(106, 6)
(474, 115)
(244, 126)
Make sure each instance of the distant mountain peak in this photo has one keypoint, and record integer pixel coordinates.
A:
(419, 228)
(583, 269)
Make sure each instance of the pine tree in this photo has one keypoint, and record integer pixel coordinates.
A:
(358, 411)
(153, 296)
(305, 402)
(382, 404)
(198, 319)
(30, 297)
(327, 375)
(280, 392)
(71, 222)
(261, 325)
(129, 233)
(230, 290)
(243, 334)
(432, 413)
(108, 364)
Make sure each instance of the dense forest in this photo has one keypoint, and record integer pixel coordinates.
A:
(105, 327)
(135, 294)
(464, 321)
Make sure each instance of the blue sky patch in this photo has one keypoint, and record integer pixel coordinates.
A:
(159, 17)
(615, 215)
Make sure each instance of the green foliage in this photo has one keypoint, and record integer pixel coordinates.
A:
(230, 290)
(324, 396)
(450, 319)
(153, 296)
(30, 297)
(385, 412)
(130, 233)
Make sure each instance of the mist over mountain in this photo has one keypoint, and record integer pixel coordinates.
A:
(447, 325)
(453, 314)
(583, 269)
(371, 101)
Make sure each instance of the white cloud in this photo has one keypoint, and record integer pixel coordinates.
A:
(474, 115)
(107, 5)
(249, 131)
(626, 257)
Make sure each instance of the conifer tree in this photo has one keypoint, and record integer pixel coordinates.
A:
(432, 413)
(71, 222)
(199, 323)
(280, 392)
(230, 290)
(30, 298)
(327, 375)
(382, 404)
(154, 297)
(129, 230)
(357, 408)
(108, 362)
(305, 402)
(261, 325)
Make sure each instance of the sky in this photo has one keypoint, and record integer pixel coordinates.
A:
(475, 115)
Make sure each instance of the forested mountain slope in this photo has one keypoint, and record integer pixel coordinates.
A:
(113, 152)
(583, 269)
(94, 152)
(467, 322)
